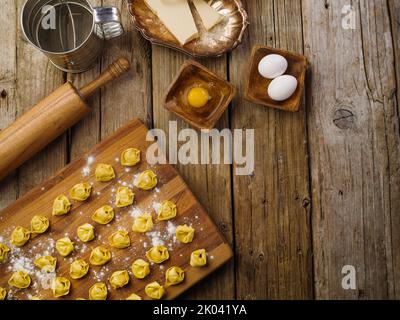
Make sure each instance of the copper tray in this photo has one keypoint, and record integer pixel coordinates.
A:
(223, 38)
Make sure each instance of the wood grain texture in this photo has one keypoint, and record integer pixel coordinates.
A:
(170, 186)
(394, 8)
(131, 97)
(8, 83)
(204, 180)
(354, 145)
(272, 212)
(85, 134)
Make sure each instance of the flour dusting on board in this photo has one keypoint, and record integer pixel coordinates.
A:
(86, 170)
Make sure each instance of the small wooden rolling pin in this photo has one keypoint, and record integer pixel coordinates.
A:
(50, 118)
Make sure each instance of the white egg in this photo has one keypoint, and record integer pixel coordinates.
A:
(282, 88)
(272, 66)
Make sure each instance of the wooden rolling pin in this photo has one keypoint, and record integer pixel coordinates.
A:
(50, 118)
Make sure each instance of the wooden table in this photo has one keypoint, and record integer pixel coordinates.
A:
(326, 188)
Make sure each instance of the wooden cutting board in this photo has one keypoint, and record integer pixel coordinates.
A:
(170, 187)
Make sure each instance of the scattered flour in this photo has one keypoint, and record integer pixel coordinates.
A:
(156, 206)
(136, 213)
(86, 170)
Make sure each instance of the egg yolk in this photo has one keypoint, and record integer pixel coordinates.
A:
(198, 97)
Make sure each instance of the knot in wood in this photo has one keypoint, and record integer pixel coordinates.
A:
(344, 119)
(3, 94)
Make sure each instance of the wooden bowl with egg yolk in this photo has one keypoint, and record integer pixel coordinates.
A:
(192, 75)
(256, 86)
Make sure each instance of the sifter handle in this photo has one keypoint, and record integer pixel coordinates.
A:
(118, 68)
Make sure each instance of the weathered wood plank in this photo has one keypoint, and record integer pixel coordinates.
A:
(272, 213)
(37, 77)
(394, 7)
(210, 183)
(130, 96)
(8, 78)
(84, 135)
(354, 146)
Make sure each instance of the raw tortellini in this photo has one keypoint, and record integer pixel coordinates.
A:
(20, 280)
(119, 279)
(104, 172)
(100, 256)
(78, 269)
(158, 254)
(103, 215)
(143, 223)
(3, 294)
(65, 246)
(167, 211)
(98, 292)
(184, 234)
(130, 157)
(4, 250)
(154, 290)
(147, 180)
(20, 236)
(198, 258)
(120, 239)
(174, 276)
(61, 206)
(46, 263)
(60, 287)
(39, 224)
(81, 191)
(140, 269)
(125, 197)
(85, 232)
(134, 296)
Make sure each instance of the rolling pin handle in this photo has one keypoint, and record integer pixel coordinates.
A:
(115, 70)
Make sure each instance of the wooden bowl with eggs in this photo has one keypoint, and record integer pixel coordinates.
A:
(276, 78)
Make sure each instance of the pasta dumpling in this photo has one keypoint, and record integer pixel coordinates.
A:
(4, 250)
(60, 287)
(81, 191)
(134, 296)
(198, 258)
(20, 280)
(78, 269)
(98, 292)
(39, 224)
(130, 157)
(100, 256)
(104, 172)
(119, 279)
(61, 206)
(167, 211)
(46, 263)
(103, 215)
(158, 254)
(143, 223)
(154, 291)
(125, 197)
(120, 239)
(3, 294)
(20, 236)
(64, 246)
(140, 269)
(147, 180)
(85, 232)
(184, 234)
(174, 276)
